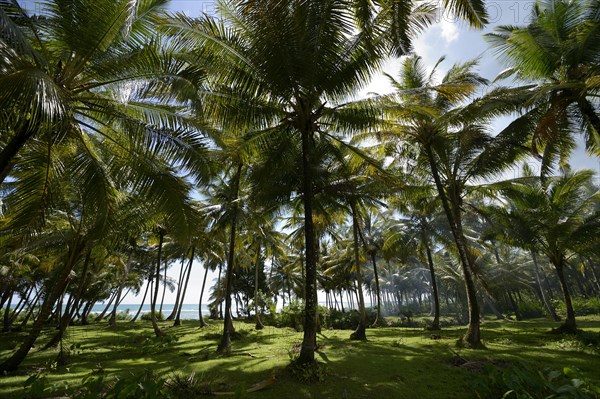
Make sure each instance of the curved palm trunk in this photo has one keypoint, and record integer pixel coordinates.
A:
(108, 305)
(187, 280)
(360, 332)
(308, 347)
(435, 325)
(20, 306)
(143, 300)
(473, 335)
(179, 289)
(569, 326)
(62, 279)
(200, 317)
(225, 344)
(157, 331)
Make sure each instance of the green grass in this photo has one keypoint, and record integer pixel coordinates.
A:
(393, 363)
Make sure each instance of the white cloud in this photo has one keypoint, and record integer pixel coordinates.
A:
(449, 31)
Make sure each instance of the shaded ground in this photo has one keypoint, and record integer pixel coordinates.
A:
(393, 363)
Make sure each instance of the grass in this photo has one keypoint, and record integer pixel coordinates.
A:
(394, 362)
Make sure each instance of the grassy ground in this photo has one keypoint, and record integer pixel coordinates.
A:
(393, 363)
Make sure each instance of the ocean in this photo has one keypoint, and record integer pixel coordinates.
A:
(188, 311)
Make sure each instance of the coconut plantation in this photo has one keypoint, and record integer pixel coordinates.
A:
(299, 199)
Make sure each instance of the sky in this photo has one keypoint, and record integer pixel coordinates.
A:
(447, 38)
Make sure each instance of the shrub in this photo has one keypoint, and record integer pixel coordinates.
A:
(148, 317)
(292, 316)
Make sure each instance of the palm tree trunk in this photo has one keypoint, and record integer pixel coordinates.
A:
(360, 332)
(545, 301)
(157, 331)
(187, 280)
(162, 300)
(569, 325)
(143, 300)
(108, 305)
(259, 324)
(202, 322)
(219, 297)
(435, 325)
(179, 284)
(308, 347)
(378, 318)
(473, 335)
(225, 344)
(21, 306)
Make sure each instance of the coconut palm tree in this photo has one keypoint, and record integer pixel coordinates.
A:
(90, 69)
(558, 53)
(557, 217)
(452, 144)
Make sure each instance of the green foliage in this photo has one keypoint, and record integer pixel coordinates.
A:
(292, 315)
(524, 382)
(348, 320)
(531, 309)
(148, 316)
(582, 306)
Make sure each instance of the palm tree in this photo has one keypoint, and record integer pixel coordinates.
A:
(288, 67)
(557, 217)
(90, 69)
(451, 143)
(557, 52)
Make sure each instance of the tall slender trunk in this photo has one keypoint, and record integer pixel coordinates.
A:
(200, 317)
(31, 308)
(157, 331)
(20, 306)
(360, 332)
(435, 325)
(143, 300)
(541, 290)
(472, 336)
(309, 340)
(162, 299)
(259, 324)
(220, 297)
(569, 325)
(179, 288)
(62, 278)
(225, 344)
(177, 321)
